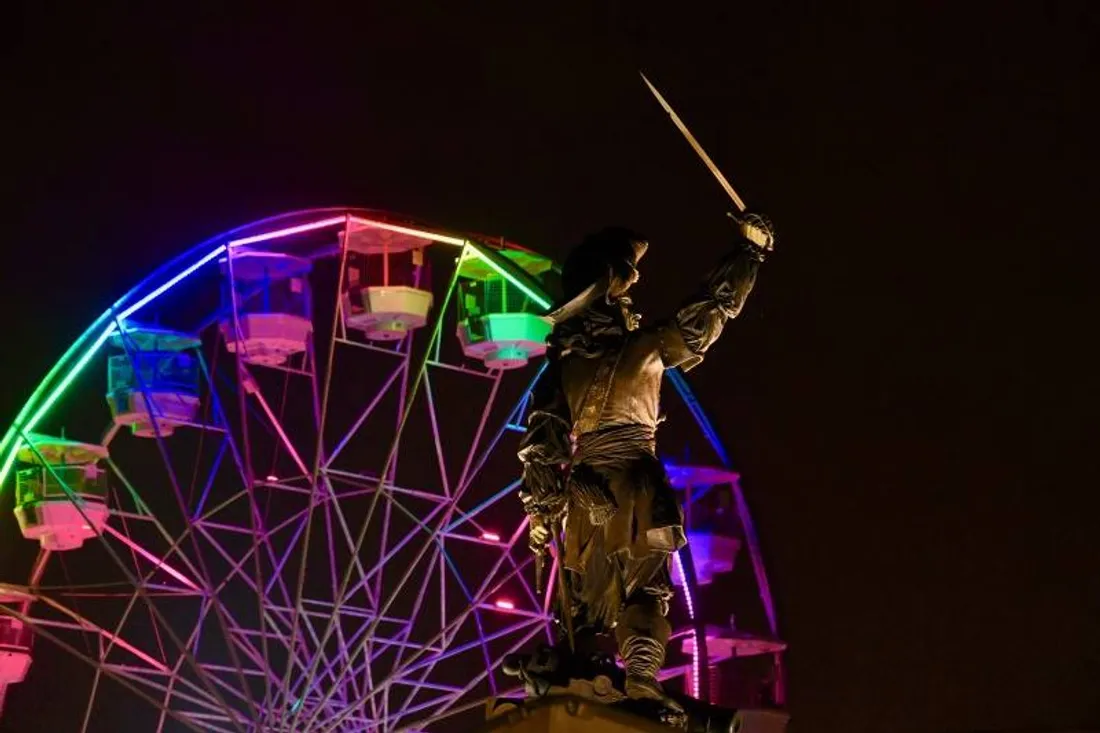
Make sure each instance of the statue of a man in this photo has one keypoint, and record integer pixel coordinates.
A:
(589, 457)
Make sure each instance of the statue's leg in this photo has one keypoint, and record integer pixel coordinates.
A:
(642, 630)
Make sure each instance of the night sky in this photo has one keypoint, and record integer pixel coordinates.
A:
(908, 395)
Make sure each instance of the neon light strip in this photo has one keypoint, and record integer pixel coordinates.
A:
(442, 238)
(279, 233)
(676, 376)
(334, 220)
(168, 285)
(158, 562)
(682, 386)
(73, 349)
(691, 614)
(52, 398)
(539, 298)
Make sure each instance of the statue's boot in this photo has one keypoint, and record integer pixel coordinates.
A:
(555, 666)
(538, 671)
(643, 657)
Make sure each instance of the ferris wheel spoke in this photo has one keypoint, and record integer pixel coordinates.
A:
(422, 528)
(268, 631)
(514, 417)
(393, 552)
(477, 614)
(144, 678)
(341, 639)
(464, 516)
(464, 479)
(447, 702)
(160, 669)
(437, 442)
(319, 651)
(418, 605)
(250, 387)
(236, 564)
(174, 545)
(345, 533)
(175, 678)
(122, 621)
(96, 664)
(299, 690)
(366, 413)
(114, 669)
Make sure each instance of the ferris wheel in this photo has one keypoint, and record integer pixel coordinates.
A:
(272, 488)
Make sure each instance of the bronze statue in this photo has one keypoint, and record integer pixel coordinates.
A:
(590, 464)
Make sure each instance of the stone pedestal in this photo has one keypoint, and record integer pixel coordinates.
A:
(573, 715)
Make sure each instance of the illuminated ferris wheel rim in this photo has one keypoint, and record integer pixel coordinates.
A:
(180, 268)
(270, 231)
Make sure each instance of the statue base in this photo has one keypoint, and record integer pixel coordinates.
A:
(571, 714)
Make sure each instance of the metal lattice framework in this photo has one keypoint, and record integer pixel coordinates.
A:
(326, 543)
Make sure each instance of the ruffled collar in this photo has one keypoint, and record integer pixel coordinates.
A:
(601, 329)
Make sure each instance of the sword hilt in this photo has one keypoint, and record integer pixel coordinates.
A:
(755, 228)
(540, 566)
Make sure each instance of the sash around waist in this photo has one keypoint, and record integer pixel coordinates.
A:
(615, 445)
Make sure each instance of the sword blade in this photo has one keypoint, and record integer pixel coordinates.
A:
(696, 146)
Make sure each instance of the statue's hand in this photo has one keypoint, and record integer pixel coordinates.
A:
(757, 230)
(538, 534)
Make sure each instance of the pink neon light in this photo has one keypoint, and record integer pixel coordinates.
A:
(490, 536)
(288, 231)
(691, 614)
(333, 220)
(433, 236)
(506, 605)
(161, 564)
(272, 478)
(120, 642)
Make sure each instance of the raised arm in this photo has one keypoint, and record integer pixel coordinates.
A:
(700, 320)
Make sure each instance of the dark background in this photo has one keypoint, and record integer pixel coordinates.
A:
(908, 395)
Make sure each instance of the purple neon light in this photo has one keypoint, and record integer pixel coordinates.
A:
(691, 614)
(289, 231)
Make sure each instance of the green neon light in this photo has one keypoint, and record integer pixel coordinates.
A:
(54, 396)
(13, 430)
(537, 296)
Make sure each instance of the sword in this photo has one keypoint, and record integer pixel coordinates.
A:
(722, 181)
(564, 599)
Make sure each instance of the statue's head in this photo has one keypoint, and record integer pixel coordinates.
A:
(598, 273)
(612, 253)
